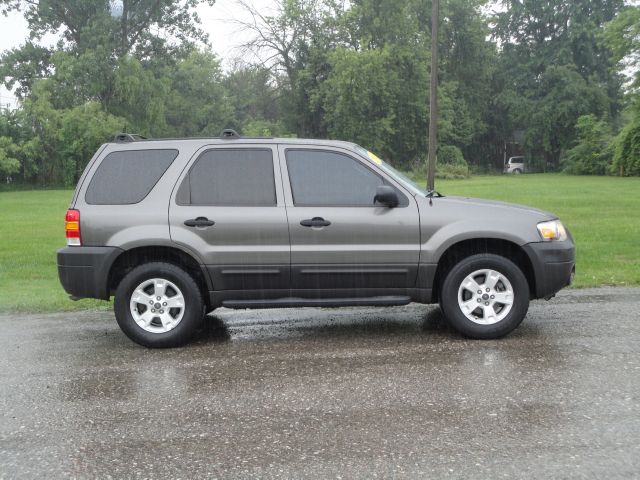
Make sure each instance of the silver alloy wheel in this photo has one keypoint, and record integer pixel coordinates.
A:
(485, 296)
(157, 305)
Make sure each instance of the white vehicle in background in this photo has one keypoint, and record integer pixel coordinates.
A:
(515, 165)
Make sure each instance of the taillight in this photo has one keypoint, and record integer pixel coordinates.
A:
(72, 227)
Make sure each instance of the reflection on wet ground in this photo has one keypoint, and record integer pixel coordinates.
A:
(351, 392)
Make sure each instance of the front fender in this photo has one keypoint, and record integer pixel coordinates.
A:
(443, 238)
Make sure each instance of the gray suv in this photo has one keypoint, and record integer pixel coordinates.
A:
(176, 228)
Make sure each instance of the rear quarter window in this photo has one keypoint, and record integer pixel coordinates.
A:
(127, 177)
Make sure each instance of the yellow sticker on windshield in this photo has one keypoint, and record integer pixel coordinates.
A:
(377, 160)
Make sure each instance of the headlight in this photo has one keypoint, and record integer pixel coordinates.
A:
(553, 230)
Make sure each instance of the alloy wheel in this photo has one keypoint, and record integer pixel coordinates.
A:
(485, 296)
(157, 305)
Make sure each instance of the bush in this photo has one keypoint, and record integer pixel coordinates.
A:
(450, 155)
(626, 156)
(451, 163)
(452, 172)
(592, 154)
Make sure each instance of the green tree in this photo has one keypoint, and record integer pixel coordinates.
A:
(264, 128)
(198, 103)
(65, 139)
(159, 29)
(359, 70)
(9, 165)
(537, 35)
(21, 67)
(468, 62)
(140, 96)
(562, 98)
(622, 36)
(141, 72)
(253, 94)
(356, 97)
(553, 69)
(591, 155)
(144, 26)
(294, 43)
(626, 157)
(83, 129)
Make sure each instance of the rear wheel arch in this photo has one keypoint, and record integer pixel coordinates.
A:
(466, 248)
(129, 259)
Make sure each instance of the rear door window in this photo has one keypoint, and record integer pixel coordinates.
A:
(127, 177)
(230, 177)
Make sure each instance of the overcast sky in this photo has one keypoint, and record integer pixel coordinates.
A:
(223, 34)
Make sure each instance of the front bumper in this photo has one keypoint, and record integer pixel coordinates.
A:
(553, 265)
(84, 271)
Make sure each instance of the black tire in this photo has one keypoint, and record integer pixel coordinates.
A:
(517, 171)
(192, 317)
(453, 312)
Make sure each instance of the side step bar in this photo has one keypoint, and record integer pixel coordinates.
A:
(388, 301)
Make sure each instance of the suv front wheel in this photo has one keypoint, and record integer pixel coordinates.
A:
(485, 296)
(159, 305)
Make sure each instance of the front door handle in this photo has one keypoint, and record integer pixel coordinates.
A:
(199, 222)
(315, 222)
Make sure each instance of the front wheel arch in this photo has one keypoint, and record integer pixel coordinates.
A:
(466, 248)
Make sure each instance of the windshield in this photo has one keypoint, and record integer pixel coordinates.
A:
(397, 175)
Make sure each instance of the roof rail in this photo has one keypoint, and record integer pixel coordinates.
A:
(128, 137)
(228, 134)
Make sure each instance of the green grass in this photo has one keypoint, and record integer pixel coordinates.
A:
(603, 214)
(31, 230)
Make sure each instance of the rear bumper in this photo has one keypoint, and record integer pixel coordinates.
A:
(553, 265)
(84, 271)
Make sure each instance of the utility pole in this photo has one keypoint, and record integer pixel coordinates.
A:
(433, 100)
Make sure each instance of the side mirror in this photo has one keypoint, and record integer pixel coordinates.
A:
(387, 196)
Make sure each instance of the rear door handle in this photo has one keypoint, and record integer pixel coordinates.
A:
(315, 222)
(199, 222)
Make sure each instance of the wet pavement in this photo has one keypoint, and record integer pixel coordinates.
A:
(341, 393)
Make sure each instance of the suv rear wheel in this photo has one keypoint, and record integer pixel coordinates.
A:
(485, 296)
(159, 305)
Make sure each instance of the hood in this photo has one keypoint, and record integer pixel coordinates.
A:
(512, 207)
